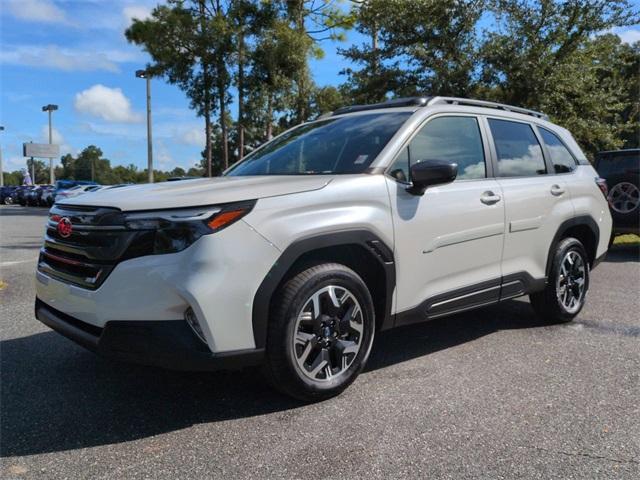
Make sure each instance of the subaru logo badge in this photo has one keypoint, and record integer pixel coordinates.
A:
(64, 227)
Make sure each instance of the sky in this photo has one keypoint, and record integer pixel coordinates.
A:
(73, 53)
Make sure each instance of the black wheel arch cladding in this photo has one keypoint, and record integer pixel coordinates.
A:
(362, 239)
(576, 227)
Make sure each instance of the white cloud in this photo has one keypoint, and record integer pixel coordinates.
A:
(36, 11)
(194, 136)
(53, 56)
(139, 12)
(629, 36)
(110, 104)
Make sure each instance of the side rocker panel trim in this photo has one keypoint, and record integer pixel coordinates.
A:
(472, 297)
(293, 252)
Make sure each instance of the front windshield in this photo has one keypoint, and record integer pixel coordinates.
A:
(333, 146)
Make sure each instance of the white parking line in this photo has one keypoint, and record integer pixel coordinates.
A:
(4, 264)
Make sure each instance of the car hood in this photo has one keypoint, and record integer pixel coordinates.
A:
(191, 193)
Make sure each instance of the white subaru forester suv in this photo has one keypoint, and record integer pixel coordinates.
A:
(367, 219)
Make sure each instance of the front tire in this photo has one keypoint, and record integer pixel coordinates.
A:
(320, 332)
(567, 285)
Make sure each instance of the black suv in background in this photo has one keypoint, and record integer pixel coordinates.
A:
(5, 194)
(621, 169)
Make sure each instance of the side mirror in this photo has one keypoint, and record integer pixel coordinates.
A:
(431, 172)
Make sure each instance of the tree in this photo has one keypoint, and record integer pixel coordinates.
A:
(544, 57)
(90, 165)
(247, 20)
(68, 167)
(128, 174)
(623, 68)
(427, 47)
(276, 60)
(217, 146)
(325, 100)
(312, 22)
(13, 178)
(41, 171)
(181, 38)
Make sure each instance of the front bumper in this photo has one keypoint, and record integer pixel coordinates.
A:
(168, 344)
(217, 277)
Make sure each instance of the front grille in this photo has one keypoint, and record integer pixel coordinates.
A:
(98, 241)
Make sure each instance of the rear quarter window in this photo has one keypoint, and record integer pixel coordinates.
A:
(561, 158)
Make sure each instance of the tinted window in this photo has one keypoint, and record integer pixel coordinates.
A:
(519, 153)
(336, 145)
(563, 161)
(451, 139)
(619, 164)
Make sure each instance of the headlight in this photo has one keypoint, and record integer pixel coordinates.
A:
(169, 231)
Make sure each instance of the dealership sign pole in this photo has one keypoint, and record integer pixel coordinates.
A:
(147, 76)
(1, 165)
(50, 108)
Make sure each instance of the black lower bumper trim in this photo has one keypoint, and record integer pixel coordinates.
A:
(169, 344)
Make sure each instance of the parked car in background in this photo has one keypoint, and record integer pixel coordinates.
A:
(30, 197)
(44, 194)
(34, 196)
(19, 194)
(62, 185)
(621, 169)
(5, 194)
(77, 190)
(67, 184)
(46, 199)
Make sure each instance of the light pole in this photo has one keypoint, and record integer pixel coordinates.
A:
(1, 165)
(147, 76)
(50, 108)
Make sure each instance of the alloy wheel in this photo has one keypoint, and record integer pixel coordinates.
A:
(571, 281)
(328, 333)
(624, 197)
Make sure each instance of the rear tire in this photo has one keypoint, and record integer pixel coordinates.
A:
(320, 332)
(567, 285)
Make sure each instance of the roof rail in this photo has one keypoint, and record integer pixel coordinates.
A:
(396, 102)
(485, 104)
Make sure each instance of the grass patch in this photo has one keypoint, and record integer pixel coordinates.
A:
(628, 239)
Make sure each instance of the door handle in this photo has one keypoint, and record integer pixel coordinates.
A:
(489, 198)
(556, 190)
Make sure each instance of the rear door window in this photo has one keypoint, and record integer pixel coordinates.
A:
(519, 152)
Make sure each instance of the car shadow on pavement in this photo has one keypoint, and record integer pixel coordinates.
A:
(56, 396)
(624, 253)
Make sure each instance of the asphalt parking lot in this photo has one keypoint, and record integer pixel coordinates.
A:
(489, 394)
